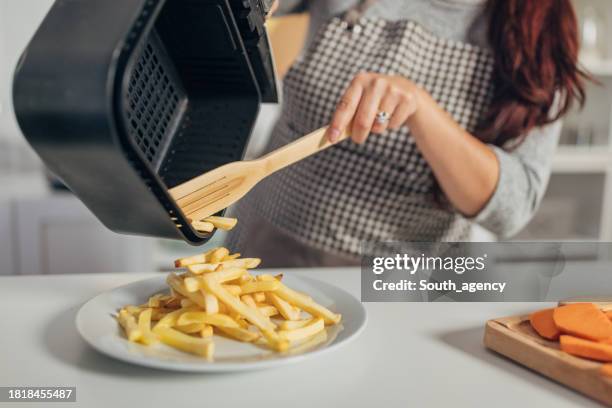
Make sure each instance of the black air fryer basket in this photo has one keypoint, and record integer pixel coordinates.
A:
(124, 100)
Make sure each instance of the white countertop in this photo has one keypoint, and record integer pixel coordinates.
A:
(427, 354)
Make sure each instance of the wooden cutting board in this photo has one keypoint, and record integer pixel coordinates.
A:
(514, 338)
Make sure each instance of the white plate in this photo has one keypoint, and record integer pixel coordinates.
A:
(96, 324)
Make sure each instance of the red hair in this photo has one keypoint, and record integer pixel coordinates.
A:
(535, 45)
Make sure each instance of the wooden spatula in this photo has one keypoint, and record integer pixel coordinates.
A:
(211, 192)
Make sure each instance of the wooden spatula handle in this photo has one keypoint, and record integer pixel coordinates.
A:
(301, 148)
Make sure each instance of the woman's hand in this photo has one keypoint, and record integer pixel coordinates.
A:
(466, 168)
(369, 94)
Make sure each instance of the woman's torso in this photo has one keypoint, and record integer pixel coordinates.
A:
(382, 190)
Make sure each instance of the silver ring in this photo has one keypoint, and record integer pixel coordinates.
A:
(382, 118)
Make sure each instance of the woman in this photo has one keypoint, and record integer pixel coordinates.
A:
(453, 107)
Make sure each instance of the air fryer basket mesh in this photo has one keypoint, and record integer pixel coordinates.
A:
(188, 105)
(154, 98)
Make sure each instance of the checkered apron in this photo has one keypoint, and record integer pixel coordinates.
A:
(383, 190)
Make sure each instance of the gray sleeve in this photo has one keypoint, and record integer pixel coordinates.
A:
(523, 177)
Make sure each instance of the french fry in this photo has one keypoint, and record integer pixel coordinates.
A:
(195, 259)
(223, 223)
(133, 310)
(267, 310)
(129, 324)
(159, 312)
(217, 255)
(308, 330)
(155, 300)
(232, 256)
(198, 269)
(306, 303)
(190, 328)
(268, 277)
(249, 301)
(203, 347)
(191, 284)
(171, 318)
(187, 302)
(217, 320)
(173, 302)
(242, 323)
(239, 319)
(284, 308)
(244, 263)
(207, 331)
(309, 343)
(144, 325)
(177, 284)
(293, 324)
(259, 297)
(243, 279)
(239, 333)
(259, 286)
(275, 342)
(225, 275)
(202, 226)
(233, 289)
(211, 303)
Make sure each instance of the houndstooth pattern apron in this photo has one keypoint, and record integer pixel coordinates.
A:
(384, 189)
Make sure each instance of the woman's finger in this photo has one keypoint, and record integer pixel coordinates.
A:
(403, 111)
(345, 110)
(366, 112)
(388, 105)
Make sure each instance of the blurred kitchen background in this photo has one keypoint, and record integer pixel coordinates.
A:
(45, 230)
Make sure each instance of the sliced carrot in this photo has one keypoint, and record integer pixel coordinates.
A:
(608, 340)
(606, 370)
(583, 320)
(586, 348)
(543, 323)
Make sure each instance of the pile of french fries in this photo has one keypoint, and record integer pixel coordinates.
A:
(216, 294)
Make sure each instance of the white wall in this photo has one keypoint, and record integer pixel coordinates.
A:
(19, 19)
